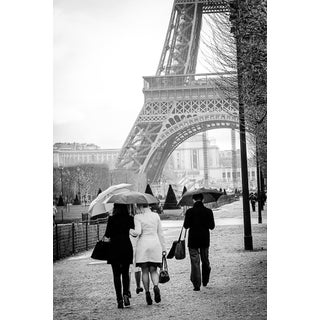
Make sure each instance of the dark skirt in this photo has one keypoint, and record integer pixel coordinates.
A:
(149, 264)
(121, 252)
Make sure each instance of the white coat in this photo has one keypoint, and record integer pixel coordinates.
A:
(150, 243)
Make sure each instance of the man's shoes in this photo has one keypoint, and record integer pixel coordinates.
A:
(196, 289)
(205, 284)
(126, 300)
(120, 304)
(148, 298)
(138, 290)
(157, 296)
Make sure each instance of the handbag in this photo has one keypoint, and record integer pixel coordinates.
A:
(172, 250)
(164, 274)
(180, 250)
(101, 250)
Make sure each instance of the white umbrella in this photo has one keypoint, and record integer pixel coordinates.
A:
(99, 204)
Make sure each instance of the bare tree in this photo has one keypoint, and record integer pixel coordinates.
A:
(221, 55)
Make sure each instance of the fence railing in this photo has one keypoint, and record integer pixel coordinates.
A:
(72, 238)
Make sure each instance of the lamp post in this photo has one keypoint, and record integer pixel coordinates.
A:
(79, 193)
(235, 17)
(61, 180)
(258, 185)
(61, 200)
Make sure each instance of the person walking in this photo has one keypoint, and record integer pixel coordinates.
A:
(150, 248)
(253, 200)
(121, 252)
(54, 212)
(199, 220)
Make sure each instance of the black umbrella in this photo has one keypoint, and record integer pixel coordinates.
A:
(209, 195)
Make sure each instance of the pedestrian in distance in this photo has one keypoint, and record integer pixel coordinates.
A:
(121, 252)
(54, 212)
(199, 220)
(150, 248)
(253, 200)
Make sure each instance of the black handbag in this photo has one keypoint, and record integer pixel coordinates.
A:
(101, 250)
(164, 274)
(180, 250)
(172, 250)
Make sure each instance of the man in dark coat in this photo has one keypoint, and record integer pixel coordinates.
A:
(199, 220)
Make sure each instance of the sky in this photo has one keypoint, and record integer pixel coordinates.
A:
(102, 49)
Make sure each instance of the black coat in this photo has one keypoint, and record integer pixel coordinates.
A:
(118, 231)
(199, 220)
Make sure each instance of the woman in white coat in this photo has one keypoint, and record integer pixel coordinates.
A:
(150, 248)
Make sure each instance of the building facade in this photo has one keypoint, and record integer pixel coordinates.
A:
(187, 162)
(72, 154)
(185, 166)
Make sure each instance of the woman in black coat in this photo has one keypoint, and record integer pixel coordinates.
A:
(121, 252)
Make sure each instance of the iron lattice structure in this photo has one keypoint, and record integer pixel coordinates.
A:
(177, 102)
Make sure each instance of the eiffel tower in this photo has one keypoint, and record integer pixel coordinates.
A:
(178, 103)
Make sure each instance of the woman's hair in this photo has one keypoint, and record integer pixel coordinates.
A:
(120, 209)
(144, 205)
(140, 208)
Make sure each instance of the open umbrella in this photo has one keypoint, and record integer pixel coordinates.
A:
(209, 195)
(131, 197)
(99, 205)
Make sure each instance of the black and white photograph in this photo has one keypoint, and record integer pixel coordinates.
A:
(143, 125)
(160, 159)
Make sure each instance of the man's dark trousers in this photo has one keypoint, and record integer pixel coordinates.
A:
(199, 220)
(195, 276)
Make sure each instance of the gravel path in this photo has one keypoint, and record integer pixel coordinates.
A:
(83, 288)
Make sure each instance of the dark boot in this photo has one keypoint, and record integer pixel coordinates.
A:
(120, 304)
(157, 296)
(138, 290)
(126, 300)
(148, 298)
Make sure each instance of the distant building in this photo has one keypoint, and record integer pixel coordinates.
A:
(186, 163)
(72, 154)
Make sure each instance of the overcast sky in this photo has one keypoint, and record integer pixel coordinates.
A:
(102, 49)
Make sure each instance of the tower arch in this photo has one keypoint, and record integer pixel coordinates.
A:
(179, 103)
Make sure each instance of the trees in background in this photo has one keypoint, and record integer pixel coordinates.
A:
(79, 180)
(171, 200)
(148, 189)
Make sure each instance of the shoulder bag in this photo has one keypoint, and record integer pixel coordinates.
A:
(101, 250)
(180, 250)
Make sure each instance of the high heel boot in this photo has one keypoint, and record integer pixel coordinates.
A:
(148, 298)
(157, 296)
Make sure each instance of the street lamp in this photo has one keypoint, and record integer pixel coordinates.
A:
(61, 180)
(235, 19)
(258, 184)
(79, 193)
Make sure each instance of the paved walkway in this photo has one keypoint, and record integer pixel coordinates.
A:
(83, 288)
